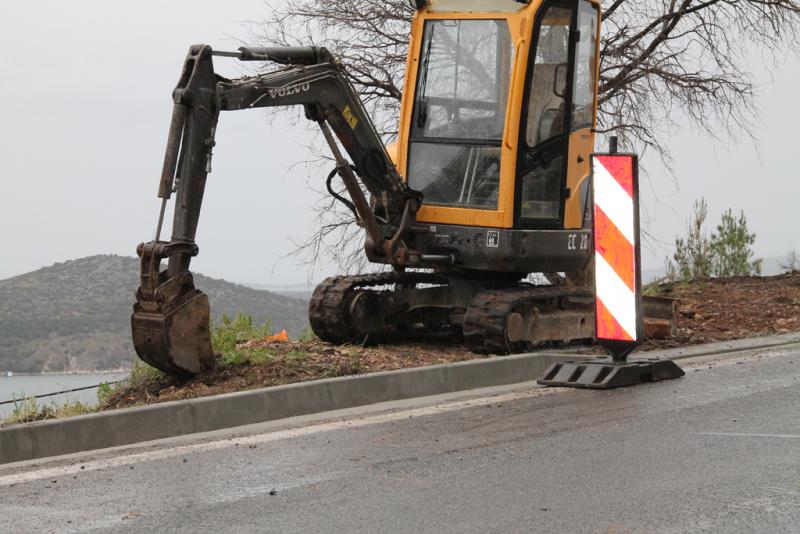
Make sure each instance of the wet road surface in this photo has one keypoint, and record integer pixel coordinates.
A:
(716, 451)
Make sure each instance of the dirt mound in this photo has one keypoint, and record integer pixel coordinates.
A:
(733, 308)
(272, 363)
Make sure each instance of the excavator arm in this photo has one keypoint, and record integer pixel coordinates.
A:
(171, 317)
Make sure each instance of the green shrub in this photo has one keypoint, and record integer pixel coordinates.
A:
(227, 338)
(104, 392)
(143, 374)
(244, 356)
(693, 255)
(731, 244)
(26, 409)
(725, 253)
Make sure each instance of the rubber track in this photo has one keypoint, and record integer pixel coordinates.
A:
(327, 311)
(485, 319)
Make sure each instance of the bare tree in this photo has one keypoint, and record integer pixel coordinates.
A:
(668, 62)
(370, 37)
(664, 64)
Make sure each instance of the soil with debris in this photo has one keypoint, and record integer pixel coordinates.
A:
(294, 361)
(733, 308)
(708, 310)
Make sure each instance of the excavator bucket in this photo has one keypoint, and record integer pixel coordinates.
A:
(171, 319)
(176, 341)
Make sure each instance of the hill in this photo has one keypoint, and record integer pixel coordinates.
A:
(75, 315)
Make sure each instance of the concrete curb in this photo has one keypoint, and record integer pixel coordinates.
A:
(722, 347)
(133, 425)
(144, 423)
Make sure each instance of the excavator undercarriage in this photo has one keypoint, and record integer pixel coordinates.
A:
(492, 316)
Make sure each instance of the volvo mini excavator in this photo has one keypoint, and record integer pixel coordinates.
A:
(486, 183)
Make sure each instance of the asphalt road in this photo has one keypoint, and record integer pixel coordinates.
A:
(716, 451)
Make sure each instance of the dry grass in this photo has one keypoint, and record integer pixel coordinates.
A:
(28, 410)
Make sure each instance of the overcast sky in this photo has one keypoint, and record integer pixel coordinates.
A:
(85, 87)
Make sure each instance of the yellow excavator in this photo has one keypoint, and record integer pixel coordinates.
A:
(486, 183)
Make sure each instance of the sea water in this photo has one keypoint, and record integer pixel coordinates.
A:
(19, 386)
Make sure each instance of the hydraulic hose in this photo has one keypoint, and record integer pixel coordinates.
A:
(336, 195)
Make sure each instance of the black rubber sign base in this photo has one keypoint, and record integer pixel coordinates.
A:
(608, 374)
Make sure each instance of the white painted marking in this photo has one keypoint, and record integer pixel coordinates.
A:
(735, 435)
(161, 454)
(615, 295)
(613, 200)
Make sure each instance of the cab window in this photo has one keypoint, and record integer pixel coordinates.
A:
(543, 163)
(547, 97)
(460, 111)
(585, 68)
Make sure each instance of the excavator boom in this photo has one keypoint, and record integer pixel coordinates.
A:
(171, 317)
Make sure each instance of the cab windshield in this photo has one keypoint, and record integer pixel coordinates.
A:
(459, 112)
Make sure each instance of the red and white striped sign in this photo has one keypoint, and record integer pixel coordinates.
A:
(616, 245)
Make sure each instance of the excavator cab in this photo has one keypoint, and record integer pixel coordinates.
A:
(488, 182)
(497, 128)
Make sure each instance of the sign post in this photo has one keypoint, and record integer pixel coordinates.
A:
(618, 284)
(618, 281)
